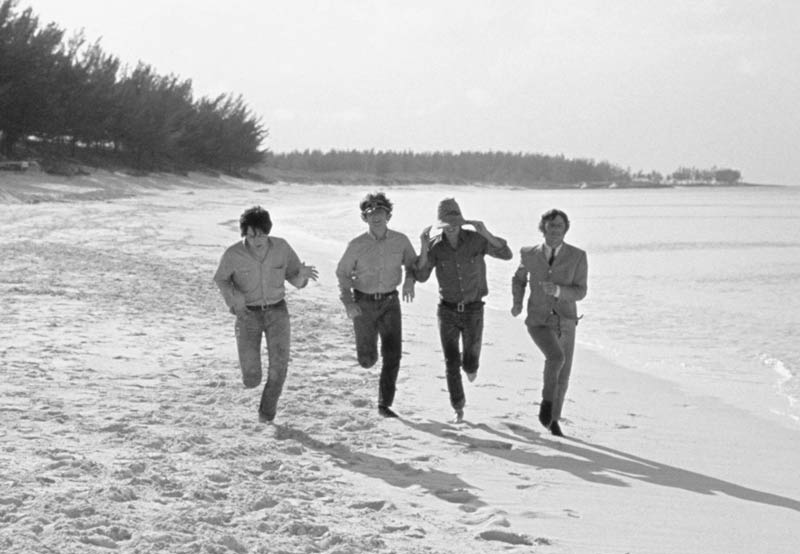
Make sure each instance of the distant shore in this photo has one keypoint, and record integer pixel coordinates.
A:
(32, 184)
(272, 175)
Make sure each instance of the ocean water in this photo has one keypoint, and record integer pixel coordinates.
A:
(699, 286)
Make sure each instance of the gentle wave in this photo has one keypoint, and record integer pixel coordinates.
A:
(788, 383)
(698, 245)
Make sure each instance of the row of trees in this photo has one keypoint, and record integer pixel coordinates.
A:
(490, 167)
(73, 94)
(692, 174)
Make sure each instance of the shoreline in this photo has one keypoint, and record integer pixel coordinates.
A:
(33, 186)
(127, 426)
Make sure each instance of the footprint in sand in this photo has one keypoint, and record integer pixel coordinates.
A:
(374, 505)
(469, 502)
(487, 516)
(506, 537)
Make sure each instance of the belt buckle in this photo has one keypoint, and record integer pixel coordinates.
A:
(460, 307)
(378, 296)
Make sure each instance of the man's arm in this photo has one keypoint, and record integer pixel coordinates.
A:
(344, 275)
(298, 273)
(496, 246)
(425, 262)
(578, 288)
(409, 263)
(518, 284)
(224, 281)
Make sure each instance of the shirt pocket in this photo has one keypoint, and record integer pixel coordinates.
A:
(245, 279)
(276, 276)
(395, 255)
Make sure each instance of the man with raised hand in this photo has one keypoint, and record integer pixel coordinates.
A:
(251, 276)
(457, 255)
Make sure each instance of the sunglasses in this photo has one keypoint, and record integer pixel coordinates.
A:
(374, 206)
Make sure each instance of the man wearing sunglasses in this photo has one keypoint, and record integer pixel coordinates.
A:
(251, 276)
(369, 272)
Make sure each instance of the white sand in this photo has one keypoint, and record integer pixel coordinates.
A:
(125, 425)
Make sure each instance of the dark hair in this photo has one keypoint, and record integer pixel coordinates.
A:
(257, 218)
(550, 215)
(375, 199)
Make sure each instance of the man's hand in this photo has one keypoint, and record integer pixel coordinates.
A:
(308, 272)
(425, 238)
(408, 290)
(239, 308)
(549, 288)
(480, 227)
(353, 310)
(516, 310)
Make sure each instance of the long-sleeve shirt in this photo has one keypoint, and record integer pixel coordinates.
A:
(372, 265)
(461, 271)
(569, 271)
(243, 279)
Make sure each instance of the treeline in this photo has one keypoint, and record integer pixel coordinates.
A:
(692, 174)
(487, 167)
(72, 95)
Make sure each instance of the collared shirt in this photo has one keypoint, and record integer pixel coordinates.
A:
(373, 265)
(461, 271)
(548, 251)
(242, 277)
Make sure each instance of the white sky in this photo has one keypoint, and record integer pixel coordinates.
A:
(645, 84)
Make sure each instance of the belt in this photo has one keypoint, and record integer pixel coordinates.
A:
(375, 296)
(266, 306)
(461, 306)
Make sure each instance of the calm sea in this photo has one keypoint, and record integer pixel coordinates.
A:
(696, 285)
(700, 286)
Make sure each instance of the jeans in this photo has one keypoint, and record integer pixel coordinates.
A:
(457, 329)
(556, 340)
(380, 318)
(274, 323)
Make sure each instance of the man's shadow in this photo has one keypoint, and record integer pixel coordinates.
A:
(446, 486)
(596, 463)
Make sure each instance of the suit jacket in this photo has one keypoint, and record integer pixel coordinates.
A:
(569, 271)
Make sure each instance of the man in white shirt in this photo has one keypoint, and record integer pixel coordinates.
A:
(370, 270)
(250, 277)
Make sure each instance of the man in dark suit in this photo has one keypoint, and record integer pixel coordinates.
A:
(557, 273)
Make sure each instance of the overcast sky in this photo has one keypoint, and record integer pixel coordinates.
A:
(645, 84)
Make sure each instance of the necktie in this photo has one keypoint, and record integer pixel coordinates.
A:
(552, 256)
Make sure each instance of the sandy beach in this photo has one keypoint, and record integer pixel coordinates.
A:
(126, 426)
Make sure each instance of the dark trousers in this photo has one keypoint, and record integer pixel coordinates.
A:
(273, 323)
(457, 329)
(556, 340)
(380, 318)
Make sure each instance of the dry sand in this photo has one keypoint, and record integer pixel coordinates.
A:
(125, 425)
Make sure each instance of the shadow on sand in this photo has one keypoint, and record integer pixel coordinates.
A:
(595, 463)
(446, 486)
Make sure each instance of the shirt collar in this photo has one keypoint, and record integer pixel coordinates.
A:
(547, 249)
(244, 244)
(372, 235)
